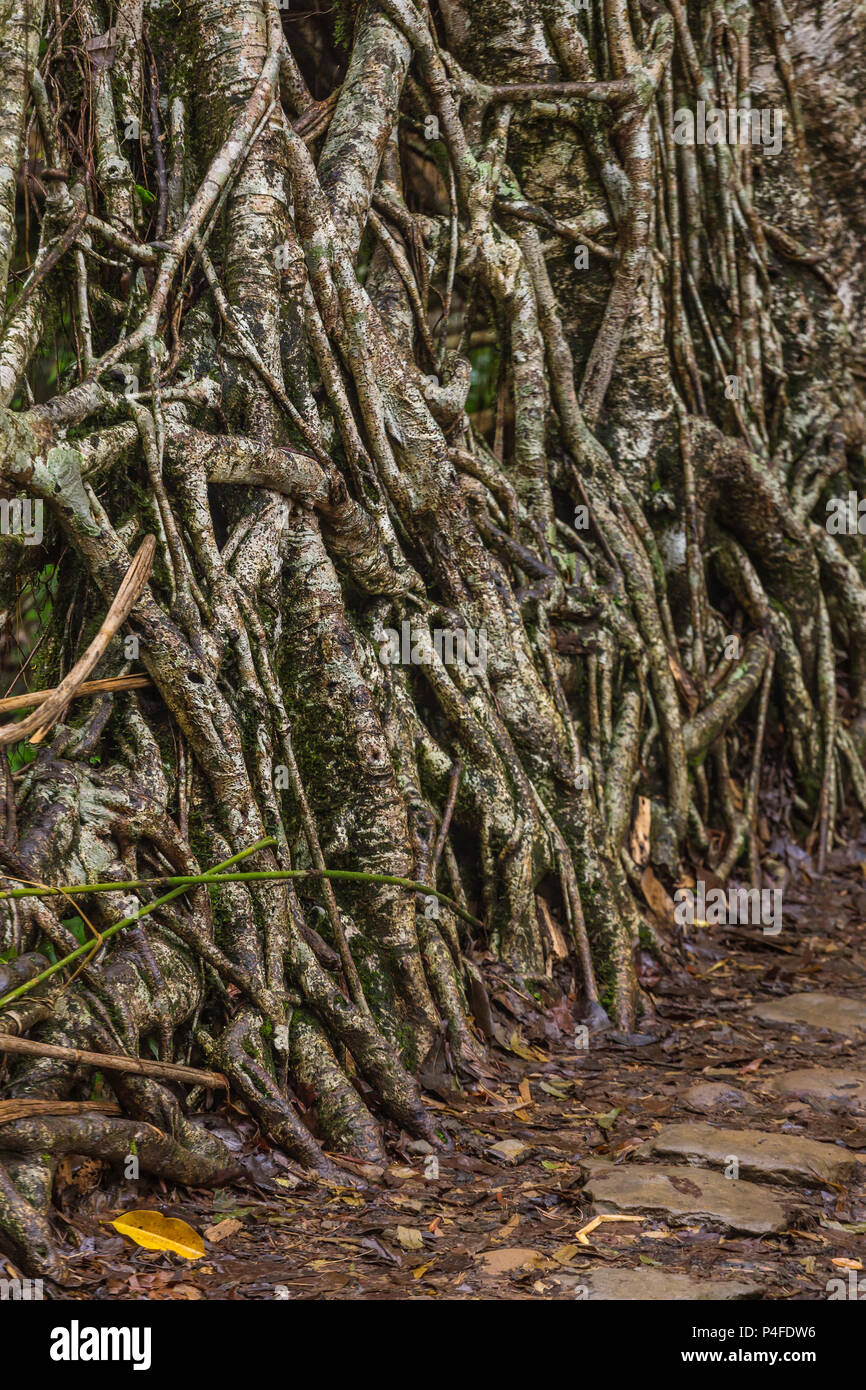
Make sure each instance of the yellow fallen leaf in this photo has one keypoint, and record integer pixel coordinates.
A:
(157, 1232)
(520, 1048)
(718, 965)
(555, 1090)
(842, 1263)
(608, 1120)
(410, 1238)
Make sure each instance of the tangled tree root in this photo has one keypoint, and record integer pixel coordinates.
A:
(485, 477)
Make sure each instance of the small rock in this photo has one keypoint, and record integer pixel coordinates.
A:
(659, 1285)
(779, 1157)
(420, 1146)
(837, 1013)
(707, 1096)
(596, 1019)
(822, 1088)
(508, 1151)
(682, 1196)
(632, 1039)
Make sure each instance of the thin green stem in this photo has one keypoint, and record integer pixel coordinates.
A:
(126, 921)
(212, 876)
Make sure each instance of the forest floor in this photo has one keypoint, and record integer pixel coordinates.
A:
(754, 1104)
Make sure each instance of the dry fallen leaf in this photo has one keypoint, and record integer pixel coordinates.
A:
(401, 1173)
(551, 1088)
(508, 1150)
(521, 1048)
(657, 896)
(222, 1229)
(410, 1238)
(517, 1257)
(157, 1232)
(581, 1235)
(750, 1066)
(554, 931)
(686, 685)
(639, 848)
(102, 50)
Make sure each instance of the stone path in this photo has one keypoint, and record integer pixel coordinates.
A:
(768, 1161)
(756, 1154)
(658, 1285)
(837, 1014)
(683, 1196)
(823, 1088)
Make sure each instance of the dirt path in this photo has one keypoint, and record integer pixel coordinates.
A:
(735, 1129)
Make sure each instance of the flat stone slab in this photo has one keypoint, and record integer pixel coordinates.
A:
(777, 1157)
(659, 1285)
(835, 1012)
(822, 1088)
(682, 1196)
(707, 1096)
